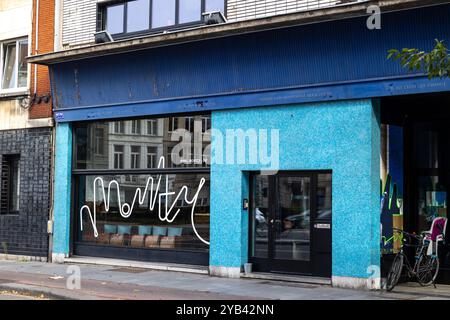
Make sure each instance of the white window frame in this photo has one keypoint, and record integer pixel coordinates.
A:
(172, 121)
(135, 157)
(153, 155)
(152, 126)
(120, 125)
(16, 88)
(120, 155)
(206, 121)
(99, 142)
(135, 127)
(189, 123)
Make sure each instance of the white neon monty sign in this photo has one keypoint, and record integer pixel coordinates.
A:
(140, 196)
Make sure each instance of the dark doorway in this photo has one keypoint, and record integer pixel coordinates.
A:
(425, 122)
(290, 223)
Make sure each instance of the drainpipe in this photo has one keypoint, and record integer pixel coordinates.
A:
(36, 44)
(58, 6)
(56, 47)
(50, 226)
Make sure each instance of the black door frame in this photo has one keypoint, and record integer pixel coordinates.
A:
(270, 264)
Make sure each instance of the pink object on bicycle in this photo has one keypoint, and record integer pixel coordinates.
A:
(437, 231)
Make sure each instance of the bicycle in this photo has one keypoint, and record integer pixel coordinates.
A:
(425, 269)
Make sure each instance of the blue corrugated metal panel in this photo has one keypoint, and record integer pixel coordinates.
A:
(341, 57)
(243, 100)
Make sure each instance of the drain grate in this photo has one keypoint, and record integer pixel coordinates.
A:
(129, 270)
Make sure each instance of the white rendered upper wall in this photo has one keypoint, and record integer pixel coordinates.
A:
(15, 22)
(15, 18)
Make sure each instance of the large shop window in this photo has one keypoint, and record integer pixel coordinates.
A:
(146, 187)
(13, 66)
(141, 16)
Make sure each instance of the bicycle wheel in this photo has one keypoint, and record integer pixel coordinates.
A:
(395, 272)
(427, 269)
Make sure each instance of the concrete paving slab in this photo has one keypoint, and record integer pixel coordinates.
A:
(118, 282)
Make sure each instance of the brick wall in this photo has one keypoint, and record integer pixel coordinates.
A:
(46, 37)
(26, 232)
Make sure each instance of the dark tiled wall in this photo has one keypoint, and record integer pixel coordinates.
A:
(26, 233)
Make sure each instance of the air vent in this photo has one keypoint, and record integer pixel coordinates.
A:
(214, 17)
(103, 37)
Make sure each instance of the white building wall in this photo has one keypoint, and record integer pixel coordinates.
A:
(79, 16)
(239, 10)
(79, 22)
(15, 22)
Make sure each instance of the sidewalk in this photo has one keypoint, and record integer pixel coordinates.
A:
(106, 282)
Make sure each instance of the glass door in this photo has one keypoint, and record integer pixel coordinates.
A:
(291, 226)
(288, 211)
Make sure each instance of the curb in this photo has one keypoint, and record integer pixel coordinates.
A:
(48, 293)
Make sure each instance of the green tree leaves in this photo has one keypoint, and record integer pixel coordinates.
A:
(435, 63)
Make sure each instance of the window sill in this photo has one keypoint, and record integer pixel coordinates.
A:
(14, 93)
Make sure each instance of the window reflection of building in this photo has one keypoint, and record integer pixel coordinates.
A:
(193, 151)
(119, 127)
(139, 144)
(152, 157)
(118, 157)
(136, 127)
(135, 157)
(152, 127)
(135, 140)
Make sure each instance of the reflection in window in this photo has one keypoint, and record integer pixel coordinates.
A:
(189, 124)
(99, 145)
(173, 124)
(190, 11)
(214, 5)
(114, 21)
(206, 124)
(23, 66)
(138, 17)
(260, 216)
(13, 65)
(152, 127)
(135, 157)
(107, 145)
(118, 157)
(152, 155)
(145, 15)
(163, 13)
(136, 127)
(119, 127)
(324, 196)
(143, 229)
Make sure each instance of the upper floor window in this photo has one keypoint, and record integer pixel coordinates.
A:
(13, 66)
(136, 127)
(137, 16)
(119, 127)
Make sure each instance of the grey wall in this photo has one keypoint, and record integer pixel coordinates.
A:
(26, 233)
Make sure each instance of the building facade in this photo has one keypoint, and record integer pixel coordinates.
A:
(26, 134)
(261, 138)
